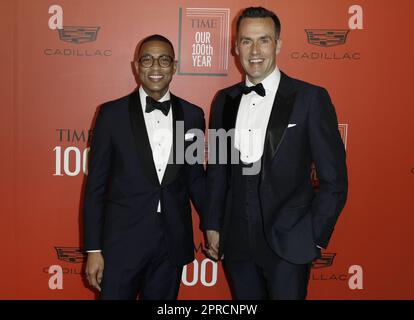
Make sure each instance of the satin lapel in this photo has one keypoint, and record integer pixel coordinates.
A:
(231, 108)
(142, 143)
(172, 168)
(278, 121)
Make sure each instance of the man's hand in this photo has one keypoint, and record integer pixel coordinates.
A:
(94, 269)
(213, 239)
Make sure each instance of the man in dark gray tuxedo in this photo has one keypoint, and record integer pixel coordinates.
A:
(262, 215)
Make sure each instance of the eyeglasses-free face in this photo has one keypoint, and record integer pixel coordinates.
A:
(257, 47)
(155, 76)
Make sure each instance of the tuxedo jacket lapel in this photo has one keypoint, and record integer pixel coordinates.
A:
(232, 107)
(278, 121)
(172, 167)
(142, 143)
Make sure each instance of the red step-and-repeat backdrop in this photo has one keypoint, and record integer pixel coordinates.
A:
(61, 59)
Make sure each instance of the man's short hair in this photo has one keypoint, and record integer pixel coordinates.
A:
(259, 12)
(156, 37)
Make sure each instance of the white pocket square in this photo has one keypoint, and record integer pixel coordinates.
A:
(189, 136)
(290, 125)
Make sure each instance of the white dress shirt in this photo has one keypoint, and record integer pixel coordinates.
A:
(253, 117)
(160, 134)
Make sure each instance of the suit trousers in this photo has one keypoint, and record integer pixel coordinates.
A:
(261, 274)
(149, 275)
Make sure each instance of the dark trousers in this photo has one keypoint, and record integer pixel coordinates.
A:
(148, 274)
(254, 270)
(280, 280)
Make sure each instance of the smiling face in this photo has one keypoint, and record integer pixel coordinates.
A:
(155, 80)
(257, 47)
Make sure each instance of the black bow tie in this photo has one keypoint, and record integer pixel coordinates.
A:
(153, 104)
(258, 88)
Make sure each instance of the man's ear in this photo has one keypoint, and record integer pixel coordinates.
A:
(175, 66)
(135, 63)
(278, 46)
(236, 48)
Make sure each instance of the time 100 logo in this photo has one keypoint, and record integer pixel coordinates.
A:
(70, 161)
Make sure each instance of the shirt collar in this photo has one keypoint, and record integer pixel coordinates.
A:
(143, 96)
(270, 83)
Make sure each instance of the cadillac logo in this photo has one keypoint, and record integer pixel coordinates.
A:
(326, 37)
(70, 254)
(78, 35)
(324, 261)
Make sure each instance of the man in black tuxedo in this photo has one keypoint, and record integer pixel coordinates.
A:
(262, 214)
(137, 214)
